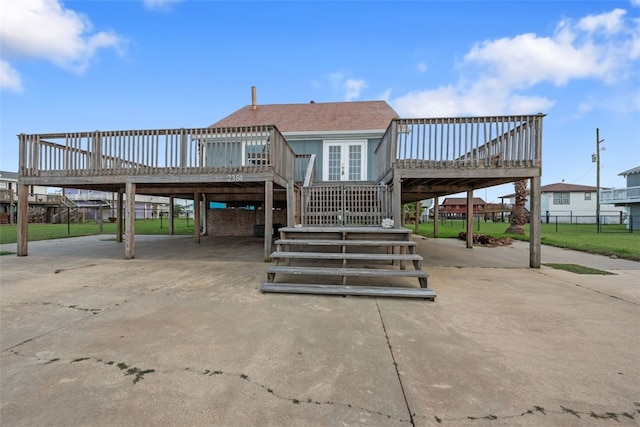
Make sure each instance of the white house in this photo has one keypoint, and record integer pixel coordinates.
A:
(571, 203)
(39, 200)
(628, 197)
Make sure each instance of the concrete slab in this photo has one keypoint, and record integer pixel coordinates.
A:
(182, 336)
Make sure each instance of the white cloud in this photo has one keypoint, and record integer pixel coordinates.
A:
(352, 88)
(497, 76)
(44, 29)
(9, 77)
(635, 2)
(163, 5)
(610, 22)
(349, 87)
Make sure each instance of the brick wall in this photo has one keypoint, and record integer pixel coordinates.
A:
(239, 222)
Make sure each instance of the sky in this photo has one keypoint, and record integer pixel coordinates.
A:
(68, 66)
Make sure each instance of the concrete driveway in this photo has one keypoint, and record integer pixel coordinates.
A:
(181, 336)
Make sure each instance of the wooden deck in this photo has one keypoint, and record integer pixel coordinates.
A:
(416, 159)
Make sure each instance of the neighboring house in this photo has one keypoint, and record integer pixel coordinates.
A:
(40, 203)
(456, 207)
(571, 203)
(628, 197)
(146, 207)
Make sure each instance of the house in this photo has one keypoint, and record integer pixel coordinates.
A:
(456, 207)
(91, 202)
(571, 204)
(41, 204)
(338, 164)
(628, 197)
(342, 135)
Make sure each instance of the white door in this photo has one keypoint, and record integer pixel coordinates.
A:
(345, 161)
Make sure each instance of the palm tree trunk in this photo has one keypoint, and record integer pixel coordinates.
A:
(518, 217)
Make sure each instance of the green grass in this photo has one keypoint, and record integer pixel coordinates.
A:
(578, 269)
(612, 240)
(8, 233)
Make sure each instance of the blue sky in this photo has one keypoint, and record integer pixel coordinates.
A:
(102, 65)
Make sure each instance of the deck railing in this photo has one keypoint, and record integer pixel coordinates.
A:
(464, 142)
(345, 204)
(620, 195)
(153, 152)
(7, 196)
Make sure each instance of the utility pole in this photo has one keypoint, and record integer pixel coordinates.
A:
(596, 158)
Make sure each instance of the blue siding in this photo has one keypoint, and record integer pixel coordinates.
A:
(315, 147)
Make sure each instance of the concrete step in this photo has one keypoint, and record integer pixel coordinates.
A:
(329, 271)
(373, 291)
(346, 256)
(341, 242)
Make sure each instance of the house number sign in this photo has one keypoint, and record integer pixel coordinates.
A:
(234, 178)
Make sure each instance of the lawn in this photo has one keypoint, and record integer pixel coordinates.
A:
(8, 233)
(612, 240)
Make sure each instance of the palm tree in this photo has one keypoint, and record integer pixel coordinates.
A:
(518, 216)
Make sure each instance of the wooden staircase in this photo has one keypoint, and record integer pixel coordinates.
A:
(348, 260)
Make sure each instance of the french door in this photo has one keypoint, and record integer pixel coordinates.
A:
(345, 160)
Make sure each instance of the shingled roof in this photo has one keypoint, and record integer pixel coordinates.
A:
(559, 187)
(633, 171)
(314, 117)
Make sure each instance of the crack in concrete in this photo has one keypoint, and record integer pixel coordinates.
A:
(294, 400)
(395, 365)
(128, 370)
(139, 374)
(93, 311)
(590, 289)
(539, 410)
(75, 307)
(60, 270)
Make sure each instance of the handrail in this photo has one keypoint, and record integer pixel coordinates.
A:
(146, 152)
(460, 142)
(309, 176)
(620, 195)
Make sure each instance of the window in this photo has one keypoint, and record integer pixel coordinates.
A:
(560, 198)
(587, 196)
(254, 153)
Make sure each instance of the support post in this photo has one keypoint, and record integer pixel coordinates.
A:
(130, 225)
(119, 217)
(534, 223)
(396, 201)
(436, 216)
(268, 219)
(470, 219)
(100, 214)
(196, 217)
(417, 221)
(171, 222)
(23, 219)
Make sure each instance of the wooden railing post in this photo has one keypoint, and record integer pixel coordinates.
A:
(183, 149)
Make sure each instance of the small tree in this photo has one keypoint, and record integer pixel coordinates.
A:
(178, 210)
(518, 216)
